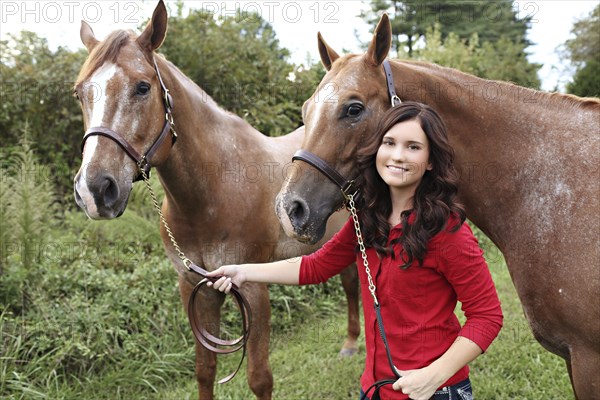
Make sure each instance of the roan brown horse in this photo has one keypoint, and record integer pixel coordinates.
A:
(220, 179)
(529, 164)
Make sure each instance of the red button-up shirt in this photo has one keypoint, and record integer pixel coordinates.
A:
(417, 304)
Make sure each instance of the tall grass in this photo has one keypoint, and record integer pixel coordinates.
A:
(28, 201)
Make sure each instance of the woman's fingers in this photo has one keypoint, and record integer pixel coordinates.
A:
(225, 275)
(223, 284)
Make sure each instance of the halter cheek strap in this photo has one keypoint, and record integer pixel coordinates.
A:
(394, 99)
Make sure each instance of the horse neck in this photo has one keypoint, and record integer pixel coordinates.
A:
(208, 139)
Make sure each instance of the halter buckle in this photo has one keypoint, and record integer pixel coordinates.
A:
(187, 263)
(395, 100)
(346, 190)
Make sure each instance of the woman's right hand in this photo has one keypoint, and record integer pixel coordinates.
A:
(228, 275)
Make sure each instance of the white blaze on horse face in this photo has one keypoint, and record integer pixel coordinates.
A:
(100, 81)
(326, 96)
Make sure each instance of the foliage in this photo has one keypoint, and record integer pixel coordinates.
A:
(411, 19)
(502, 60)
(487, 39)
(28, 210)
(586, 81)
(35, 89)
(585, 44)
(583, 50)
(240, 63)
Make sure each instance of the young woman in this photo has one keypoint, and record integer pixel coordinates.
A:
(422, 258)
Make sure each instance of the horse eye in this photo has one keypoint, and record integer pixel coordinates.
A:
(354, 110)
(142, 88)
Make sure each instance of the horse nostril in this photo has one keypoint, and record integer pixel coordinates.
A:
(78, 199)
(110, 192)
(298, 213)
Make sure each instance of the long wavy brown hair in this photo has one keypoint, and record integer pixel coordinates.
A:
(435, 199)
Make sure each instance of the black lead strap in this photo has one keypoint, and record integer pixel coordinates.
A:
(376, 387)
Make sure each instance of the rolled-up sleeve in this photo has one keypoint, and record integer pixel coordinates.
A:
(462, 263)
(335, 255)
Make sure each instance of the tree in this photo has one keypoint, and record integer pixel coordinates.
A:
(239, 62)
(35, 95)
(411, 19)
(502, 60)
(584, 52)
(586, 82)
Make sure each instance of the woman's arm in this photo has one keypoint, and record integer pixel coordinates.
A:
(284, 272)
(317, 267)
(422, 383)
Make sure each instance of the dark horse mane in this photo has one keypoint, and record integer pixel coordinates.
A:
(537, 96)
(107, 50)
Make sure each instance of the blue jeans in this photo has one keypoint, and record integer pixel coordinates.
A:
(461, 391)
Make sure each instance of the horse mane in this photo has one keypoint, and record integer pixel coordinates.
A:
(107, 50)
(547, 99)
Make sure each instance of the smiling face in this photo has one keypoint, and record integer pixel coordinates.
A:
(403, 157)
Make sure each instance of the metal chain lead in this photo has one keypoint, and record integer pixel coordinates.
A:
(361, 245)
(186, 261)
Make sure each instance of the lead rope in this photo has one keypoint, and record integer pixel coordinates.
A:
(379, 384)
(209, 341)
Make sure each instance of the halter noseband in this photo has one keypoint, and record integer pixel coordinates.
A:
(143, 160)
(346, 185)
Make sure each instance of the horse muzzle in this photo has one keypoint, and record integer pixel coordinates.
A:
(298, 220)
(100, 195)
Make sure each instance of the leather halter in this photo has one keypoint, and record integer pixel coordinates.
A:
(346, 185)
(143, 160)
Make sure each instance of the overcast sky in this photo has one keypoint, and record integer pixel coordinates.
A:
(295, 22)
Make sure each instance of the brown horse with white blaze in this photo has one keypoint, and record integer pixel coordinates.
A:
(218, 213)
(529, 165)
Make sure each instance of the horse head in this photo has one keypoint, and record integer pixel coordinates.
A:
(344, 109)
(124, 104)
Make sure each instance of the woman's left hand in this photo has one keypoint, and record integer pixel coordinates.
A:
(418, 384)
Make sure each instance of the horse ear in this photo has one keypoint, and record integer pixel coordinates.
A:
(381, 42)
(155, 32)
(87, 36)
(328, 55)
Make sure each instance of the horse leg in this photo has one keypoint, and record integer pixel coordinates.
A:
(585, 365)
(260, 377)
(349, 278)
(570, 371)
(206, 361)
